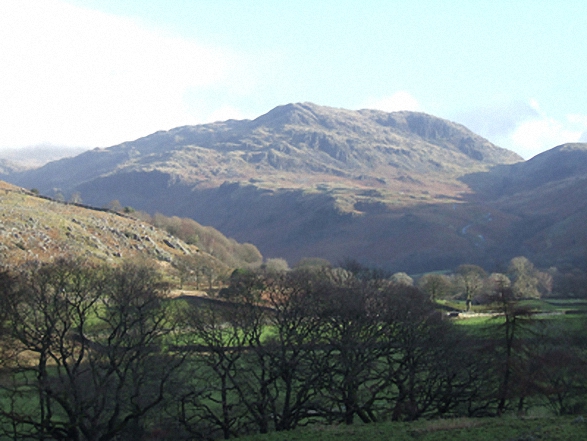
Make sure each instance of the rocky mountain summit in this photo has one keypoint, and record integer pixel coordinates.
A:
(320, 143)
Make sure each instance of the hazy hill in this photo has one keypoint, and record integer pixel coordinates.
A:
(401, 190)
(36, 156)
(8, 167)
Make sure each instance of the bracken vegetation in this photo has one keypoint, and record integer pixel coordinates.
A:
(40, 228)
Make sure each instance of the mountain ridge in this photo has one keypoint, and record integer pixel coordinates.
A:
(315, 138)
(401, 190)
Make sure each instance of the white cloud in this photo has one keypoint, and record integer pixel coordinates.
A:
(544, 132)
(400, 100)
(498, 120)
(79, 77)
(524, 127)
(578, 119)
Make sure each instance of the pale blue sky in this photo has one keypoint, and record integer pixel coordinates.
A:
(99, 72)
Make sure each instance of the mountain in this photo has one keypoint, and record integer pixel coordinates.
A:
(8, 167)
(38, 228)
(37, 156)
(320, 142)
(401, 190)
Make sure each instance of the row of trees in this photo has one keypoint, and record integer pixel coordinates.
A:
(98, 353)
(472, 283)
(468, 282)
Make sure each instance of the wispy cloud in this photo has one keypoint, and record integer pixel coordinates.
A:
(581, 121)
(544, 132)
(74, 76)
(499, 120)
(400, 100)
(524, 127)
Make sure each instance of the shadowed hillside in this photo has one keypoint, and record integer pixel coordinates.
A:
(548, 196)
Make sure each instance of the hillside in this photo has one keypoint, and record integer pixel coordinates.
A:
(33, 227)
(403, 190)
(547, 197)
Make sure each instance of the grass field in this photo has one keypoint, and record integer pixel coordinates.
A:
(539, 305)
(551, 316)
(459, 429)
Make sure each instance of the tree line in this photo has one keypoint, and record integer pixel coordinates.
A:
(92, 352)
(473, 284)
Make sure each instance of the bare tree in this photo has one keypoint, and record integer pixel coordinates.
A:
(276, 266)
(76, 198)
(353, 346)
(294, 349)
(435, 285)
(216, 340)
(513, 326)
(527, 281)
(402, 278)
(470, 280)
(91, 354)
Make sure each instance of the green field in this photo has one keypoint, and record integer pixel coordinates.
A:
(538, 305)
(459, 429)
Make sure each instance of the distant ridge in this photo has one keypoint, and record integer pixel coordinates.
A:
(37, 156)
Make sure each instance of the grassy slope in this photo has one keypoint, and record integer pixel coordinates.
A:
(32, 227)
(461, 429)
